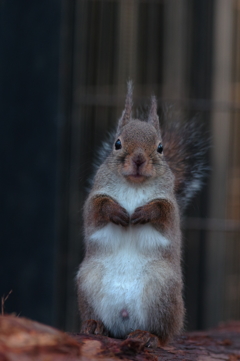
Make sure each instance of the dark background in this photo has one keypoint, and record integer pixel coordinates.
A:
(29, 144)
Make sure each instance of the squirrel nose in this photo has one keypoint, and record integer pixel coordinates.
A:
(139, 160)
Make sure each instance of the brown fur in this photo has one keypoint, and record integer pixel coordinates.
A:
(153, 212)
(105, 209)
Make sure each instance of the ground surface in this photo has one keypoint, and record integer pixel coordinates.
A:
(25, 340)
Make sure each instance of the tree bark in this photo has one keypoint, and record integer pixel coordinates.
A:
(25, 340)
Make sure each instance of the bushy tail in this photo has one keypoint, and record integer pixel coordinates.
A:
(185, 147)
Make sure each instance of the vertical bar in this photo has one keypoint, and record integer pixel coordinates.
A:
(66, 68)
(175, 51)
(215, 247)
(127, 41)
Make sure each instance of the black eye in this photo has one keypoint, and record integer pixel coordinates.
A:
(118, 144)
(160, 148)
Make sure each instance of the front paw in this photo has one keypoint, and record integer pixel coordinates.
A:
(140, 216)
(119, 216)
(157, 211)
(92, 327)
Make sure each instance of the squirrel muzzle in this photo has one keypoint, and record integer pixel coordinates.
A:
(137, 167)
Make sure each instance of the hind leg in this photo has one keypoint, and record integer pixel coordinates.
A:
(90, 323)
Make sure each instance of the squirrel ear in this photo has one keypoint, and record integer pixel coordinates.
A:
(153, 117)
(127, 113)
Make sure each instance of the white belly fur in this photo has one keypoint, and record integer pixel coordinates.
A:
(124, 266)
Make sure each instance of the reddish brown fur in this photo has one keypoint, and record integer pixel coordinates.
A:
(159, 209)
(105, 210)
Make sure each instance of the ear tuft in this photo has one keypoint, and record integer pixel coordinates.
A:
(153, 117)
(127, 113)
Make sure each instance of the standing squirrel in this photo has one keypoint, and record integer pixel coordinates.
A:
(130, 282)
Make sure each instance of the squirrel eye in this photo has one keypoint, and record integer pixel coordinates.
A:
(160, 148)
(118, 144)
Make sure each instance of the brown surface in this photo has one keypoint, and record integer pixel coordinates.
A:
(25, 340)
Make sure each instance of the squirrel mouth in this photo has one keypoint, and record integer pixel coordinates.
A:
(137, 178)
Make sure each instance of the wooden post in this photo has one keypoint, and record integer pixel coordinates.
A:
(216, 243)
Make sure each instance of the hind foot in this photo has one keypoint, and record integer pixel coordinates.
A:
(147, 338)
(92, 327)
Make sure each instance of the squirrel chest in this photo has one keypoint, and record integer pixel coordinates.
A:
(140, 237)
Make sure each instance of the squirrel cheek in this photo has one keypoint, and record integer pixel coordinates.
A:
(127, 167)
(150, 169)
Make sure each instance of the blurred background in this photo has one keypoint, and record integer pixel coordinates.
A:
(63, 67)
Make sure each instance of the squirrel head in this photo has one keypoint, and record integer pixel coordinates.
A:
(137, 150)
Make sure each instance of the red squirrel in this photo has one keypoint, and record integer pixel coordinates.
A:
(130, 281)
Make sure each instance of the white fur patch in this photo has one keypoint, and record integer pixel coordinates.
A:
(130, 197)
(139, 237)
(122, 288)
